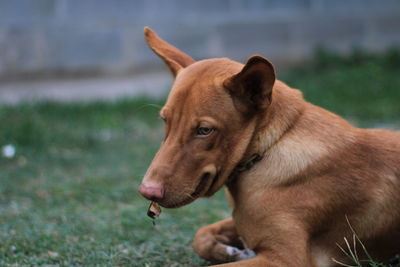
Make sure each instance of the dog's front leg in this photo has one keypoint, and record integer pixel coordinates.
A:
(219, 242)
(259, 261)
(272, 259)
(280, 240)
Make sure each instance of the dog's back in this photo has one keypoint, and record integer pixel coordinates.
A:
(380, 224)
(359, 179)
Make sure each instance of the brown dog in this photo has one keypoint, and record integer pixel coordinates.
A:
(301, 179)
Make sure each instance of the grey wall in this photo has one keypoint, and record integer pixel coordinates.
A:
(106, 36)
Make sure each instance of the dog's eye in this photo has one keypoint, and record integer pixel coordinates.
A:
(204, 131)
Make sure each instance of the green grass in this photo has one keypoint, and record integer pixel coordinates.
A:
(69, 196)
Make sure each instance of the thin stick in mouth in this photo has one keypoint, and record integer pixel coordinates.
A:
(154, 210)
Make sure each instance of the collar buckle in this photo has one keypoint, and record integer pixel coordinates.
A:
(242, 167)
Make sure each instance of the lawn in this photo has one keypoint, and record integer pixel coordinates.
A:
(69, 196)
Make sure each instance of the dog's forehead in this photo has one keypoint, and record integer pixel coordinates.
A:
(205, 73)
(202, 76)
(200, 84)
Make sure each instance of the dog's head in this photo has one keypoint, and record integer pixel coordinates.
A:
(210, 117)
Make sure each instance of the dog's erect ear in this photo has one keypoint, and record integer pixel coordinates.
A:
(173, 57)
(251, 88)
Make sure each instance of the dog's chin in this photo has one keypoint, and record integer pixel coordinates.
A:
(176, 204)
(203, 189)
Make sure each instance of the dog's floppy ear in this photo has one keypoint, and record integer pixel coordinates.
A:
(251, 88)
(173, 57)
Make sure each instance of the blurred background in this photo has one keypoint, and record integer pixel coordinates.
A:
(64, 39)
(80, 93)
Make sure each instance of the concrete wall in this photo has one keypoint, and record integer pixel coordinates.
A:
(106, 36)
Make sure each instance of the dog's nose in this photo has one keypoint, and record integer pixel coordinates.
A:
(151, 191)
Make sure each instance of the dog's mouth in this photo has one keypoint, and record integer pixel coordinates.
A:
(202, 188)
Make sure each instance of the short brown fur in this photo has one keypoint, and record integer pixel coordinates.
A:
(318, 176)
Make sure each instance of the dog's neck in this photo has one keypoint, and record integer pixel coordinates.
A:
(286, 108)
(290, 140)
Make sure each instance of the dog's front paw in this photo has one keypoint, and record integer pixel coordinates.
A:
(240, 254)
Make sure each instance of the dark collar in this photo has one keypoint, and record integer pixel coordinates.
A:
(244, 166)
